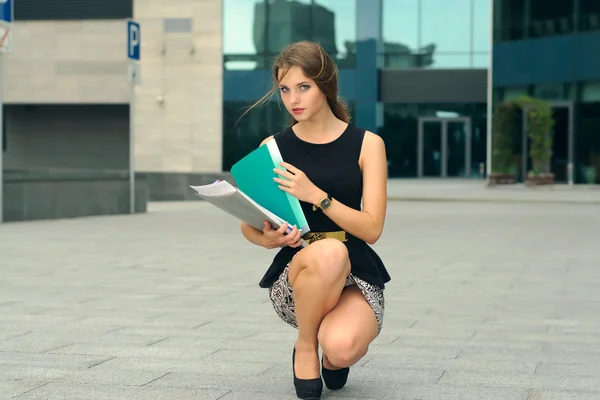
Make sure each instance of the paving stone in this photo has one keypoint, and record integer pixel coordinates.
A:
(488, 300)
(56, 391)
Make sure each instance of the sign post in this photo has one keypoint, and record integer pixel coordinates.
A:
(6, 18)
(133, 75)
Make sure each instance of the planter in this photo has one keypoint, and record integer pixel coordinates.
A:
(501, 179)
(539, 180)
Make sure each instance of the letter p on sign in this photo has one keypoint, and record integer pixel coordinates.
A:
(133, 40)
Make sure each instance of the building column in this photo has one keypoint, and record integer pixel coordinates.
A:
(369, 46)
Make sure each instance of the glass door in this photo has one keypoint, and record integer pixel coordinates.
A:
(430, 151)
(444, 147)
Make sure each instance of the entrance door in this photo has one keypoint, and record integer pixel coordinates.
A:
(444, 147)
(562, 143)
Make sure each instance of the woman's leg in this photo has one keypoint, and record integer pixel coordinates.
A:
(347, 331)
(317, 275)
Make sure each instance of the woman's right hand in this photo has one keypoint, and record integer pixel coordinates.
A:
(274, 238)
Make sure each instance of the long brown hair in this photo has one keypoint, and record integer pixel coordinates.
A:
(317, 65)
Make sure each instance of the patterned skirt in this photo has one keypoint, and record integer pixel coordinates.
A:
(281, 297)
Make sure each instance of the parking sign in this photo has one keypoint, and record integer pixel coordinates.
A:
(6, 11)
(133, 40)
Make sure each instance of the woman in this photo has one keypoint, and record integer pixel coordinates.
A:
(332, 289)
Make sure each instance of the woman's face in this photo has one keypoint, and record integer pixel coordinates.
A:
(301, 96)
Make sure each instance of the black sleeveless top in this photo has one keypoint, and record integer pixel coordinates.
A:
(332, 167)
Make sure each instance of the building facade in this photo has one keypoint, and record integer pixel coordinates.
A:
(549, 50)
(406, 74)
(67, 96)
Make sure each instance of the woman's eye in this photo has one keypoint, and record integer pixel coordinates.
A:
(304, 87)
(283, 89)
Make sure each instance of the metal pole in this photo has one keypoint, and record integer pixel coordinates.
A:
(490, 97)
(2, 134)
(131, 144)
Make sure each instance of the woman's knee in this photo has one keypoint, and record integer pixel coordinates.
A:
(327, 258)
(330, 255)
(342, 349)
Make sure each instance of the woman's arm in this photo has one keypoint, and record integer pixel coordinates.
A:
(253, 235)
(368, 223)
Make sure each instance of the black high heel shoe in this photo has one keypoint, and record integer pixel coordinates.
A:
(306, 389)
(335, 379)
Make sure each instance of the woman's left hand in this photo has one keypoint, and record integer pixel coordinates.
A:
(297, 184)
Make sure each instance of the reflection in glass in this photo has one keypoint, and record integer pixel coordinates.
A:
(399, 131)
(589, 15)
(509, 20)
(243, 30)
(560, 144)
(432, 148)
(243, 136)
(290, 21)
(456, 132)
(446, 24)
(400, 25)
(549, 18)
(481, 25)
(587, 145)
(334, 25)
(440, 61)
(478, 145)
(480, 61)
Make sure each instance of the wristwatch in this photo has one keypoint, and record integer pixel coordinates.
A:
(324, 204)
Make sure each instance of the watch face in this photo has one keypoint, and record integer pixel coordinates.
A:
(325, 204)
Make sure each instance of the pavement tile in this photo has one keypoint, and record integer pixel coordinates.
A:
(488, 301)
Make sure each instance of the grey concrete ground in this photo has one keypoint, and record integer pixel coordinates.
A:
(476, 190)
(487, 301)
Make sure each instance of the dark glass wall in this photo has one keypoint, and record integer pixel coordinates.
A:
(436, 34)
(525, 19)
(400, 131)
(72, 9)
(587, 138)
(364, 37)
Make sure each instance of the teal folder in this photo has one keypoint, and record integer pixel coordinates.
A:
(254, 175)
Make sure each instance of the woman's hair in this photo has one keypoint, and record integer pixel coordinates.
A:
(317, 65)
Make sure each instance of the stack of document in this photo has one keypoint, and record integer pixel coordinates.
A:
(257, 197)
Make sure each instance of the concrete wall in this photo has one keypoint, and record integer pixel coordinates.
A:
(67, 62)
(67, 136)
(184, 133)
(77, 62)
(48, 195)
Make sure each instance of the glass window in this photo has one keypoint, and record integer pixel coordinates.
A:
(589, 15)
(241, 136)
(441, 61)
(481, 25)
(288, 22)
(509, 20)
(549, 18)
(446, 24)
(480, 61)
(399, 132)
(334, 24)
(401, 26)
(243, 33)
(590, 92)
(587, 146)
